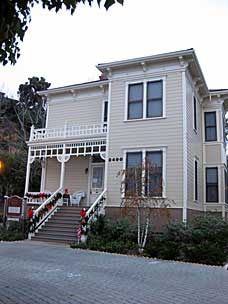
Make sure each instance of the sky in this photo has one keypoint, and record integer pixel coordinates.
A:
(65, 49)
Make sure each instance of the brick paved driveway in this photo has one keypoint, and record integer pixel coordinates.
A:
(40, 273)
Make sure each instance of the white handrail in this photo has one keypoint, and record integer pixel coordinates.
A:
(47, 201)
(95, 203)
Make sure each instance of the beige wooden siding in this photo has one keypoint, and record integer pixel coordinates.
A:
(148, 133)
(213, 154)
(75, 179)
(194, 150)
(84, 110)
(52, 175)
(76, 175)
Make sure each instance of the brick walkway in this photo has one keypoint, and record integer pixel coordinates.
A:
(40, 273)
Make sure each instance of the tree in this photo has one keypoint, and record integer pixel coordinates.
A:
(141, 188)
(31, 107)
(15, 16)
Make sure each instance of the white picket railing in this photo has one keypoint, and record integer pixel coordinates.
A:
(97, 207)
(68, 131)
(47, 215)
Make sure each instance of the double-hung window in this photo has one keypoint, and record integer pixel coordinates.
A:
(154, 99)
(194, 113)
(135, 101)
(210, 126)
(144, 173)
(145, 100)
(195, 180)
(133, 176)
(212, 185)
(153, 173)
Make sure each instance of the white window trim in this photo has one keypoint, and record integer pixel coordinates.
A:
(193, 111)
(144, 82)
(143, 151)
(217, 127)
(195, 159)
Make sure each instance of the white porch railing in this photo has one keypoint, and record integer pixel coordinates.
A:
(39, 219)
(37, 198)
(68, 132)
(97, 208)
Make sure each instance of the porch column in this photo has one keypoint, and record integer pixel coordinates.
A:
(62, 159)
(43, 175)
(27, 172)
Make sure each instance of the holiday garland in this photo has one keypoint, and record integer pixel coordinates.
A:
(43, 212)
(84, 219)
(38, 195)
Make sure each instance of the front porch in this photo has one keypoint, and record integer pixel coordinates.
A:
(78, 167)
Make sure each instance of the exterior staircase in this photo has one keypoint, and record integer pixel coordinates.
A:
(61, 227)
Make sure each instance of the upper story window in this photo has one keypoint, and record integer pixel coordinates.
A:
(145, 100)
(210, 126)
(194, 113)
(105, 112)
(154, 99)
(135, 101)
(212, 185)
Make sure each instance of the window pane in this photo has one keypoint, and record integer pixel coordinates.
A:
(211, 134)
(154, 108)
(97, 181)
(154, 90)
(153, 173)
(134, 159)
(135, 110)
(105, 119)
(195, 113)
(210, 119)
(133, 184)
(196, 181)
(212, 175)
(212, 194)
(135, 92)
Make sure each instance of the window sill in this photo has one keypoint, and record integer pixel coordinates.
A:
(143, 119)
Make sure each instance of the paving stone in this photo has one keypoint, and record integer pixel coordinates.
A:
(35, 272)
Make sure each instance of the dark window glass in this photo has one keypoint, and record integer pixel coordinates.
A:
(105, 118)
(212, 185)
(210, 126)
(154, 99)
(133, 184)
(226, 189)
(135, 101)
(195, 113)
(196, 181)
(153, 174)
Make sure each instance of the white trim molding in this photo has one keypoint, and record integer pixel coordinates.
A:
(185, 153)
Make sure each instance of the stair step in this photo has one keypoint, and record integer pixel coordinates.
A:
(57, 234)
(67, 216)
(56, 238)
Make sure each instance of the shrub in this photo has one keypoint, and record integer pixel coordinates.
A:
(109, 236)
(204, 241)
(14, 232)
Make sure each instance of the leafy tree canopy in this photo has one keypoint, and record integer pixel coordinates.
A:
(16, 14)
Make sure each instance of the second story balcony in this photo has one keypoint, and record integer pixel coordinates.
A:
(93, 131)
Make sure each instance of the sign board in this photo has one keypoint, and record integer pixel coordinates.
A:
(14, 209)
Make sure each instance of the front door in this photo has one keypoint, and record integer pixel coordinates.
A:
(97, 181)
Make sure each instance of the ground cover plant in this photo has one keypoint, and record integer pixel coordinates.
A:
(204, 241)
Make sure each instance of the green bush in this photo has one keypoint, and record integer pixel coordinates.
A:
(204, 241)
(14, 232)
(109, 236)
